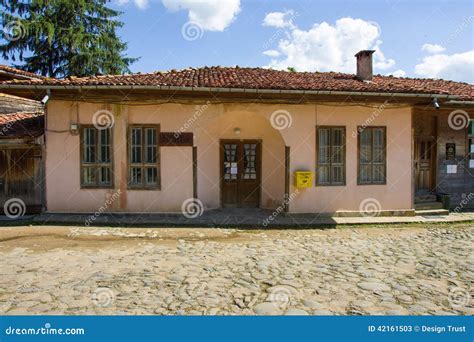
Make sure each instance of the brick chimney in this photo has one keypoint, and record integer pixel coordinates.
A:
(364, 64)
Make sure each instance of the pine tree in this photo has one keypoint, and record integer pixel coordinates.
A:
(61, 38)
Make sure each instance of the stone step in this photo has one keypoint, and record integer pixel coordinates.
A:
(428, 205)
(432, 212)
(425, 198)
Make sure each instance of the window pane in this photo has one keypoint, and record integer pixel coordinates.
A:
(323, 175)
(136, 176)
(150, 155)
(136, 136)
(365, 173)
(105, 176)
(337, 137)
(324, 146)
(89, 135)
(89, 176)
(379, 174)
(337, 155)
(104, 143)
(365, 146)
(151, 136)
(89, 145)
(378, 155)
(136, 145)
(151, 175)
(379, 144)
(89, 154)
(136, 154)
(337, 175)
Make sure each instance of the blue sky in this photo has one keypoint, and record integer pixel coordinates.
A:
(308, 35)
(153, 30)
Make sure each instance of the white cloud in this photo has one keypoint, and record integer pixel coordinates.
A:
(271, 53)
(141, 4)
(279, 19)
(380, 62)
(209, 15)
(458, 67)
(432, 48)
(398, 73)
(326, 47)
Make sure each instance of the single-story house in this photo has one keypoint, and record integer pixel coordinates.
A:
(307, 142)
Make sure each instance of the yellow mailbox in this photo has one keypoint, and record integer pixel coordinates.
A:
(303, 179)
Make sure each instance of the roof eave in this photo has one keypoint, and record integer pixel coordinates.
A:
(228, 90)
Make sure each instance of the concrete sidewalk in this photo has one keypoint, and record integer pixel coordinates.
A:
(241, 218)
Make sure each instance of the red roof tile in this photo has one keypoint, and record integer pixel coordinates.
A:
(21, 74)
(21, 125)
(259, 78)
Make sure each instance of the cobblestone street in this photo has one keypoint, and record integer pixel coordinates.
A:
(418, 269)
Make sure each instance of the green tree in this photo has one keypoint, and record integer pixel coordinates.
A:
(61, 38)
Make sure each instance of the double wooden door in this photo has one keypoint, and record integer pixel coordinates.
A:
(240, 173)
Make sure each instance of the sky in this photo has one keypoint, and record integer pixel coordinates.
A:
(415, 38)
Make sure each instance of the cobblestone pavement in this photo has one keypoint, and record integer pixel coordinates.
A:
(351, 271)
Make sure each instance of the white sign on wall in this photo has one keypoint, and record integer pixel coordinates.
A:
(452, 168)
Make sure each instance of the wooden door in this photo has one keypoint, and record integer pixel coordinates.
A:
(424, 168)
(240, 173)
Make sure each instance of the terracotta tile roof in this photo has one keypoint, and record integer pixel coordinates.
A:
(21, 74)
(259, 78)
(21, 125)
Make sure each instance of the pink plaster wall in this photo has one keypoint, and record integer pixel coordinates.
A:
(213, 122)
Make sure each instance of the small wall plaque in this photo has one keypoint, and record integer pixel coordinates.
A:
(176, 139)
(450, 151)
(452, 169)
